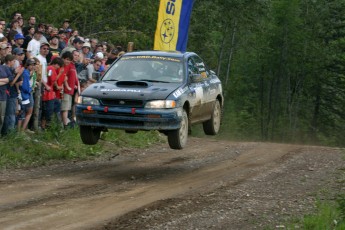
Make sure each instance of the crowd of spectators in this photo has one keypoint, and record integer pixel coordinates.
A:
(43, 70)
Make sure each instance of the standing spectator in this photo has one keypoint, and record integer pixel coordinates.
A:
(86, 50)
(42, 28)
(27, 101)
(34, 45)
(2, 28)
(18, 41)
(78, 61)
(35, 80)
(42, 57)
(20, 25)
(12, 99)
(66, 25)
(13, 31)
(15, 16)
(31, 23)
(54, 33)
(54, 50)
(99, 48)
(77, 45)
(4, 50)
(87, 75)
(70, 83)
(48, 31)
(74, 34)
(4, 80)
(112, 57)
(93, 42)
(48, 97)
(19, 57)
(62, 39)
(28, 37)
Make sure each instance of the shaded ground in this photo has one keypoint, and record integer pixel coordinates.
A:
(209, 185)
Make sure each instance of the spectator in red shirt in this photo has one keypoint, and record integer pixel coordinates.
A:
(48, 96)
(70, 84)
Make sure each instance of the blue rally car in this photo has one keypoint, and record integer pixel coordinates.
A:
(152, 90)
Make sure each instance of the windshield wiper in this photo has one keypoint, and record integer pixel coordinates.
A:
(149, 80)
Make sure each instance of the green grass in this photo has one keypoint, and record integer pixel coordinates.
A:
(329, 216)
(55, 144)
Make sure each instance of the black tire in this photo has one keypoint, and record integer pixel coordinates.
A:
(178, 138)
(211, 127)
(89, 135)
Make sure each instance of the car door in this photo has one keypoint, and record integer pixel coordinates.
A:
(199, 90)
(208, 91)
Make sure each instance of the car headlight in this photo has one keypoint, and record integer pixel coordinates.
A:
(87, 101)
(161, 104)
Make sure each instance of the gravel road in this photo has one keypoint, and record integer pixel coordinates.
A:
(211, 184)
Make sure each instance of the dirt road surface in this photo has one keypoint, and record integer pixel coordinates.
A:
(211, 184)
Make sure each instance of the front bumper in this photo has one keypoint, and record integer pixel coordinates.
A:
(128, 118)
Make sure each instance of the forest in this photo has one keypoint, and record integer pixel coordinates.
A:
(281, 62)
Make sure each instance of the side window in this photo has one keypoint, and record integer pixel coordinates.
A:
(192, 69)
(200, 66)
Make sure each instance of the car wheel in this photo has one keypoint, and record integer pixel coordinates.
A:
(178, 138)
(211, 127)
(89, 135)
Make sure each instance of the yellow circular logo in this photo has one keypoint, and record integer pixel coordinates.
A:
(167, 30)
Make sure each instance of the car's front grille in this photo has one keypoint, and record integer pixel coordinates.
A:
(123, 102)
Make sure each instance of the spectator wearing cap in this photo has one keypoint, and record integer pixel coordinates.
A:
(19, 57)
(26, 96)
(34, 45)
(31, 23)
(18, 41)
(13, 31)
(86, 50)
(4, 50)
(42, 57)
(14, 92)
(54, 50)
(112, 57)
(77, 45)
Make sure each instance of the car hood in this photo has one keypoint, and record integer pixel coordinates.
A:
(139, 90)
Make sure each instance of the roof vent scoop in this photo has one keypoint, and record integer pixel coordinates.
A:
(134, 84)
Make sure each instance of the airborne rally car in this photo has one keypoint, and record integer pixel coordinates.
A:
(152, 90)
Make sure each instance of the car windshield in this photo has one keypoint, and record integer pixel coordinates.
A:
(146, 68)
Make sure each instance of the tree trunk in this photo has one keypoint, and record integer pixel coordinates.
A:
(231, 52)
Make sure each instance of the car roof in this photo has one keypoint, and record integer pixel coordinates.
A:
(175, 54)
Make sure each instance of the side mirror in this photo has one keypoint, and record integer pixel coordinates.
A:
(196, 77)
